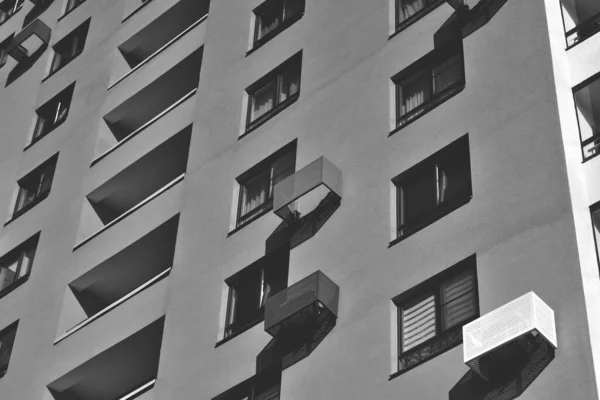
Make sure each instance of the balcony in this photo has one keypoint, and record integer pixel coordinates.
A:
(119, 278)
(587, 104)
(174, 33)
(26, 48)
(124, 371)
(134, 187)
(581, 19)
(497, 342)
(303, 192)
(131, 116)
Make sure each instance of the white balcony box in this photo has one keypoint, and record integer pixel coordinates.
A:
(301, 192)
(493, 337)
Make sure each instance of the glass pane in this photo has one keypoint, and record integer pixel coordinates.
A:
(8, 274)
(268, 20)
(263, 100)
(414, 92)
(447, 73)
(24, 199)
(292, 7)
(458, 300)
(6, 345)
(26, 263)
(453, 178)
(255, 192)
(418, 323)
(289, 83)
(408, 8)
(419, 196)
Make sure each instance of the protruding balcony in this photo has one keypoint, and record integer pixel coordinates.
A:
(496, 343)
(581, 19)
(302, 192)
(29, 40)
(301, 304)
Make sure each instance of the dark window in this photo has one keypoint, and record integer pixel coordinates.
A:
(409, 11)
(251, 287)
(53, 113)
(7, 340)
(35, 186)
(8, 8)
(69, 47)
(431, 315)
(72, 4)
(581, 20)
(587, 105)
(256, 185)
(428, 83)
(273, 16)
(433, 188)
(273, 92)
(15, 266)
(264, 386)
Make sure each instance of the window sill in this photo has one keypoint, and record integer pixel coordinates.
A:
(27, 208)
(70, 11)
(266, 117)
(439, 213)
(252, 219)
(14, 286)
(267, 38)
(136, 10)
(415, 17)
(241, 330)
(425, 108)
(40, 137)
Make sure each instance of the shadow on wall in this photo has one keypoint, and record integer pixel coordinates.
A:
(513, 380)
(25, 65)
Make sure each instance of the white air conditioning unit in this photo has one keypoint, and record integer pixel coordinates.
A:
(492, 337)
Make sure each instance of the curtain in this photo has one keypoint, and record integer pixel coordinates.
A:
(442, 183)
(447, 73)
(263, 100)
(408, 8)
(413, 93)
(289, 83)
(268, 22)
(458, 300)
(418, 323)
(292, 7)
(255, 192)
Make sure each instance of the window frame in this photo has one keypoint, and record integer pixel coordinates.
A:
(3, 333)
(594, 139)
(48, 166)
(293, 64)
(432, 286)
(19, 252)
(426, 67)
(75, 40)
(454, 150)
(283, 24)
(40, 130)
(241, 220)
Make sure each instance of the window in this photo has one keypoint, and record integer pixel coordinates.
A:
(15, 266)
(263, 386)
(35, 187)
(256, 185)
(251, 287)
(273, 16)
(8, 8)
(53, 113)
(409, 11)
(428, 82)
(272, 93)
(7, 340)
(587, 106)
(69, 47)
(433, 188)
(431, 315)
(72, 4)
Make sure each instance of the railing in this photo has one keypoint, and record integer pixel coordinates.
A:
(157, 52)
(131, 210)
(144, 127)
(111, 306)
(583, 31)
(591, 146)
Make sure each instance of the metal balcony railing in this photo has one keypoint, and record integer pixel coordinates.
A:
(301, 303)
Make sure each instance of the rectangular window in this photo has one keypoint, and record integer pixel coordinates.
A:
(15, 266)
(256, 184)
(69, 47)
(8, 8)
(72, 4)
(431, 315)
(7, 340)
(35, 186)
(428, 83)
(251, 287)
(273, 92)
(273, 16)
(53, 113)
(433, 188)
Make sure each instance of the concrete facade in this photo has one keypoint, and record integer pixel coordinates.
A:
(528, 222)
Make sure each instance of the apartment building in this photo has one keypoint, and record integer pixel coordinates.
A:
(299, 199)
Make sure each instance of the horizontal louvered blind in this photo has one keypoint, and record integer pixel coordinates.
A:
(418, 323)
(458, 300)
